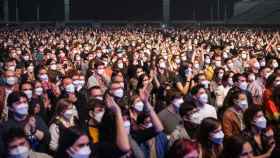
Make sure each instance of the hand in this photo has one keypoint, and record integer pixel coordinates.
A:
(30, 126)
(269, 152)
(144, 95)
(111, 104)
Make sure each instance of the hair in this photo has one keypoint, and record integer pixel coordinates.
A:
(92, 103)
(186, 107)
(207, 126)
(20, 87)
(236, 76)
(61, 105)
(270, 80)
(234, 95)
(249, 115)
(233, 146)
(196, 88)
(216, 72)
(172, 94)
(14, 97)
(98, 63)
(276, 95)
(182, 147)
(67, 139)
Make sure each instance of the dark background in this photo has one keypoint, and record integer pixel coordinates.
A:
(119, 9)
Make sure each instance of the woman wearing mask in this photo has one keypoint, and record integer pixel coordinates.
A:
(183, 79)
(237, 147)
(217, 88)
(64, 117)
(256, 125)
(28, 74)
(233, 115)
(211, 138)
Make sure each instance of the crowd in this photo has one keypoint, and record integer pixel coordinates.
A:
(139, 92)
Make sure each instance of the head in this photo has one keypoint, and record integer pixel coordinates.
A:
(78, 81)
(10, 77)
(27, 89)
(116, 90)
(238, 99)
(240, 81)
(96, 111)
(96, 93)
(210, 133)
(64, 110)
(175, 99)
(17, 103)
(237, 147)
(184, 148)
(199, 94)
(73, 143)
(254, 119)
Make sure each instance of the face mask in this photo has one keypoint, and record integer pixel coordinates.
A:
(38, 91)
(251, 78)
(44, 77)
(230, 65)
(230, 81)
(99, 98)
(21, 110)
(149, 125)
(79, 84)
(70, 88)
(218, 63)
(262, 63)
(243, 56)
(205, 83)
(12, 68)
(98, 116)
(127, 126)
(243, 85)
(120, 65)
(243, 104)
(275, 65)
(178, 102)
(30, 68)
(118, 93)
(162, 65)
(28, 93)
(203, 98)
(184, 58)
(68, 114)
(53, 67)
(218, 138)
(19, 152)
(139, 106)
(277, 83)
(225, 55)
(11, 81)
(220, 75)
(177, 61)
(83, 152)
(207, 61)
(257, 65)
(100, 71)
(196, 66)
(261, 122)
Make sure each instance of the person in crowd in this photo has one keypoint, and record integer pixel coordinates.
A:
(237, 147)
(184, 148)
(211, 138)
(16, 145)
(232, 118)
(255, 131)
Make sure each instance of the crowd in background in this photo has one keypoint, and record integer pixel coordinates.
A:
(139, 92)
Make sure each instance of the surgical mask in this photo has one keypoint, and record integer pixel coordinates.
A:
(127, 125)
(83, 152)
(19, 152)
(28, 93)
(26, 58)
(275, 65)
(257, 65)
(205, 83)
(243, 104)
(225, 55)
(220, 75)
(251, 77)
(149, 125)
(44, 77)
(262, 63)
(207, 60)
(68, 114)
(21, 110)
(12, 68)
(100, 71)
(99, 98)
(139, 106)
(218, 138)
(230, 65)
(177, 61)
(53, 67)
(120, 65)
(243, 85)
(70, 88)
(38, 91)
(98, 116)
(243, 56)
(79, 84)
(162, 65)
(230, 81)
(203, 98)
(118, 93)
(30, 68)
(11, 81)
(261, 122)
(178, 102)
(196, 66)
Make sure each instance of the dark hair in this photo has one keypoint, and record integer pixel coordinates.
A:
(12, 133)
(182, 147)
(270, 80)
(276, 95)
(67, 139)
(249, 115)
(196, 88)
(25, 83)
(61, 105)
(98, 63)
(186, 107)
(236, 77)
(92, 103)
(14, 97)
(172, 94)
(207, 126)
(233, 146)
(234, 95)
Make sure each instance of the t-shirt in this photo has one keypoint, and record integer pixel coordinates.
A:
(205, 111)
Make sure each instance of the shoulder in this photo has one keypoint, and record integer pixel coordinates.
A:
(34, 154)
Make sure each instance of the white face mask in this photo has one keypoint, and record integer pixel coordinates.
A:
(19, 152)
(203, 98)
(205, 83)
(100, 71)
(120, 65)
(38, 91)
(11, 81)
(118, 93)
(28, 93)
(44, 77)
(98, 116)
(218, 138)
(53, 67)
(21, 109)
(162, 65)
(261, 122)
(68, 114)
(83, 152)
(30, 68)
(79, 84)
(178, 102)
(243, 104)
(139, 106)
(275, 65)
(243, 85)
(207, 60)
(70, 88)
(230, 81)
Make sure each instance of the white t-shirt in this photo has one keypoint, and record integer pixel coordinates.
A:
(204, 112)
